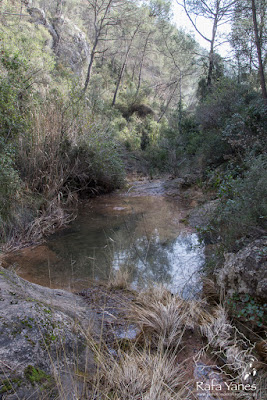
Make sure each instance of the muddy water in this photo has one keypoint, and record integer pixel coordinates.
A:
(140, 230)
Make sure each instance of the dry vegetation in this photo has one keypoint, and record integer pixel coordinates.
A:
(173, 337)
(151, 345)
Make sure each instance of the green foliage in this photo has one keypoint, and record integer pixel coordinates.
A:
(6, 386)
(192, 137)
(127, 132)
(36, 375)
(12, 120)
(246, 308)
(27, 42)
(246, 129)
(242, 204)
(232, 122)
(101, 149)
(10, 183)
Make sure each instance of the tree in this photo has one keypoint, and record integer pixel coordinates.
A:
(178, 50)
(219, 12)
(249, 39)
(258, 42)
(122, 69)
(105, 14)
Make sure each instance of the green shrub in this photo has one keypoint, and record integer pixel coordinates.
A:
(248, 309)
(102, 156)
(232, 121)
(12, 119)
(242, 203)
(10, 183)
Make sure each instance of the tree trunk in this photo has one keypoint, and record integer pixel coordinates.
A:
(123, 67)
(120, 76)
(211, 54)
(88, 75)
(167, 105)
(258, 45)
(141, 65)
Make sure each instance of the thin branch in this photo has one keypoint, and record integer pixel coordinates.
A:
(193, 23)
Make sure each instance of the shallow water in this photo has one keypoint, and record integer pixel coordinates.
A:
(138, 231)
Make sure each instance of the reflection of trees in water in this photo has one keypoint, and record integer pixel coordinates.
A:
(174, 262)
(147, 259)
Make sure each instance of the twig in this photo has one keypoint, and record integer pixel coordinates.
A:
(7, 366)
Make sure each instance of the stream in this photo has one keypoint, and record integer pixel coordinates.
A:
(141, 230)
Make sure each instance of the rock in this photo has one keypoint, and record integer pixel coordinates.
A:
(41, 332)
(68, 41)
(245, 272)
(209, 379)
(72, 47)
(189, 180)
(201, 216)
(38, 17)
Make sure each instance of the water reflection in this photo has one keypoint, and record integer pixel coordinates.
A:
(175, 262)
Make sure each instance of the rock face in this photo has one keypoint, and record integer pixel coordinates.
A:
(72, 47)
(41, 333)
(68, 41)
(246, 271)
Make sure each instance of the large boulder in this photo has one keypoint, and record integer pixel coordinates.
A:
(42, 339)
(67, 40)
(246, 271)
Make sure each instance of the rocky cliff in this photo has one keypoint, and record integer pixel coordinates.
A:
(68, 42)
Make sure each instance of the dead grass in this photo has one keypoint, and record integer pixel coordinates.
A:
(119, 279)
(161, 322)
(143, 375)
(163, 317)
(210, 292)
(225, 340)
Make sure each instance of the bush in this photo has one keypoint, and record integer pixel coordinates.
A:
(232, 121)
(242, 210)
(10, 183)
(66, 153)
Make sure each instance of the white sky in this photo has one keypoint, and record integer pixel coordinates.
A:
(204, 25)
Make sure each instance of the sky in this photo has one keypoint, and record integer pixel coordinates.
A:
(205, 26)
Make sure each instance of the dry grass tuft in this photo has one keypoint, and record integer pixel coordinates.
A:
(210, 292)
(119, 279)
(145, 376)
(153, 294)
(163, 317)
(161, 323)
(52, 218)
(261, 348)
(238, 352)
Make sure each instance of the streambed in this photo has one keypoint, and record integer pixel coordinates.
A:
(141, 230)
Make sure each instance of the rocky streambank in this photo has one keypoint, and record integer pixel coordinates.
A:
(59, 345)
